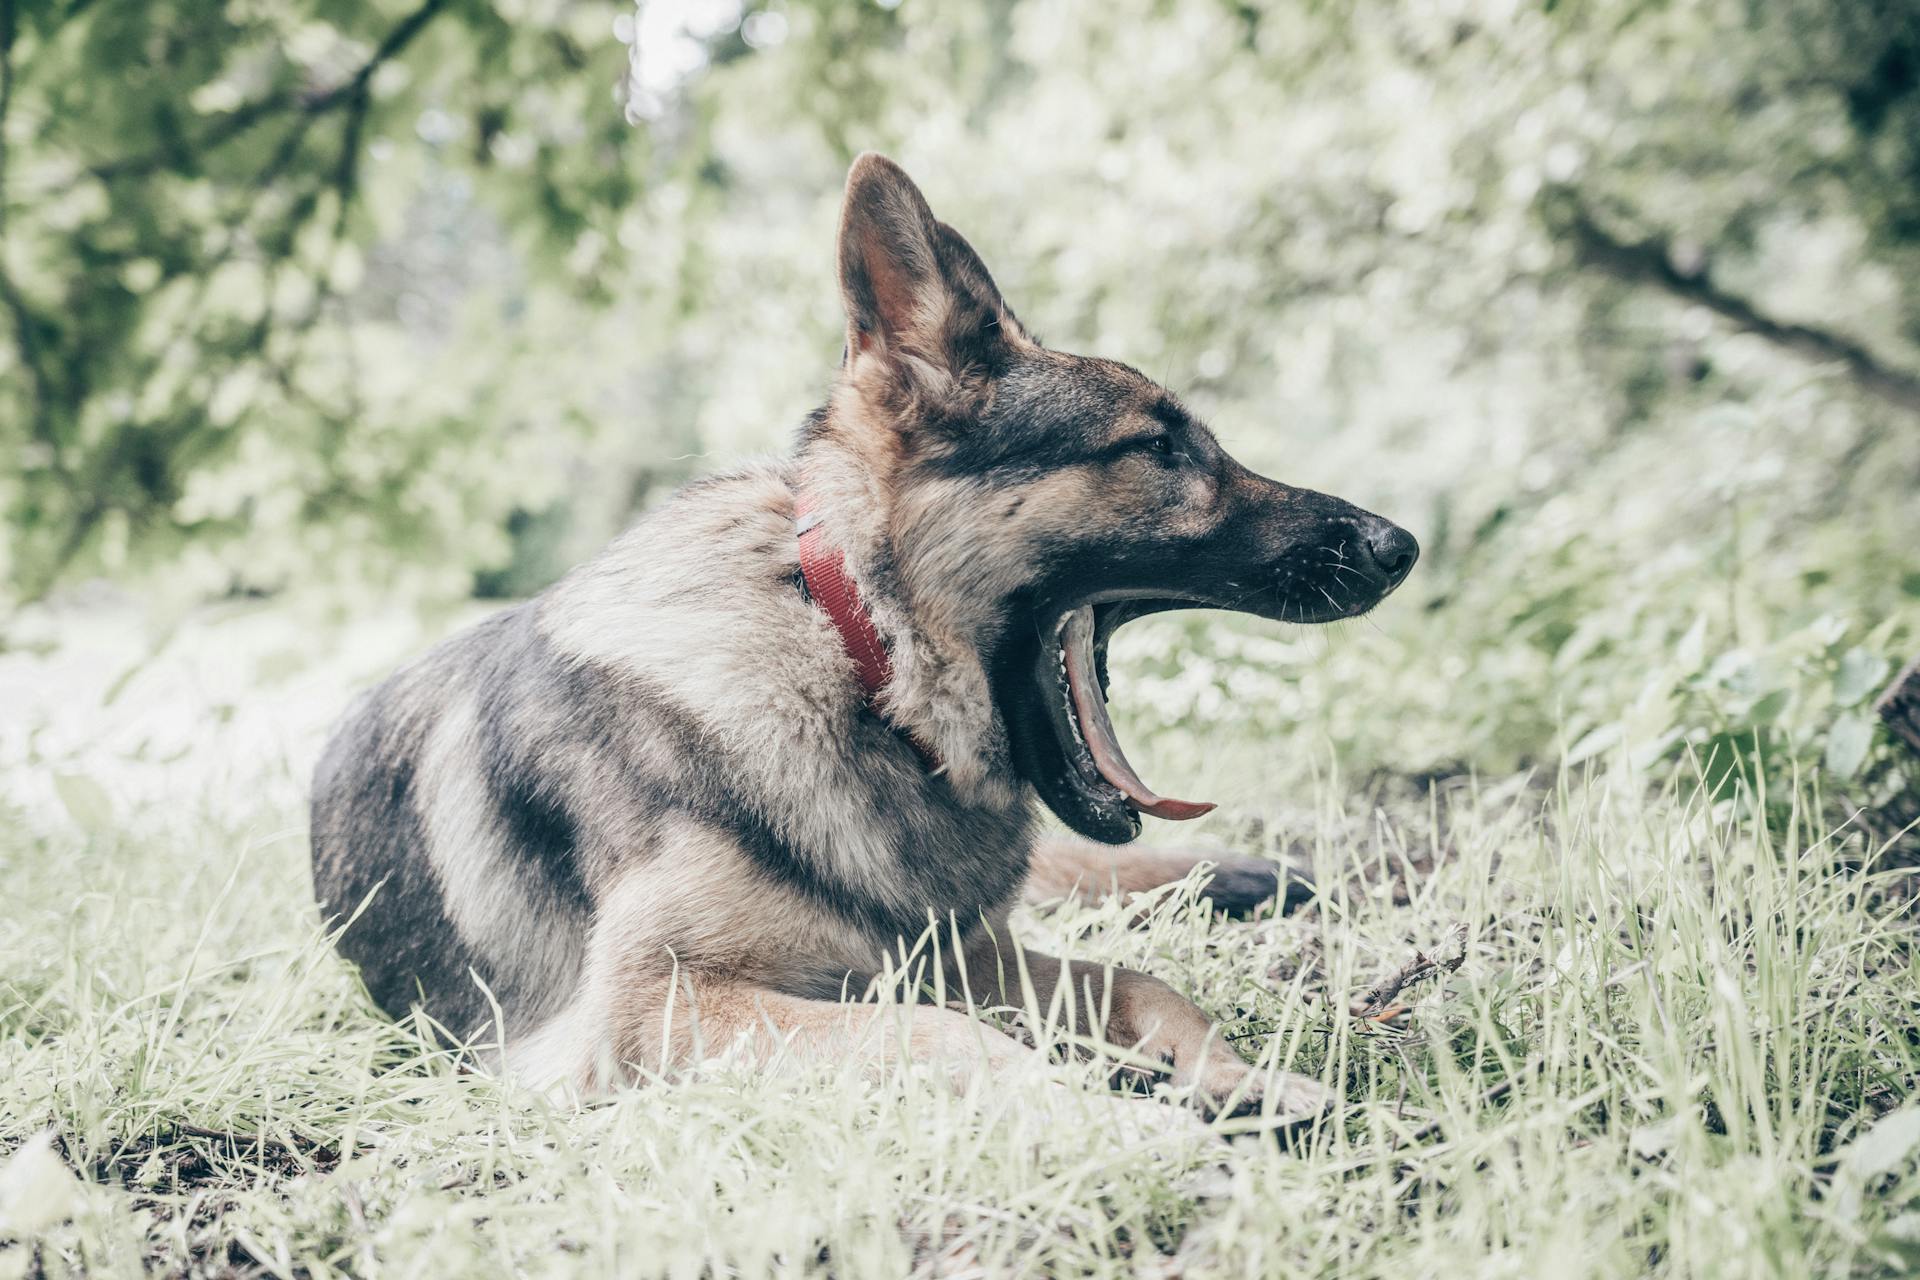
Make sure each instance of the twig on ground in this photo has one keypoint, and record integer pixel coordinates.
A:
(1447, 957)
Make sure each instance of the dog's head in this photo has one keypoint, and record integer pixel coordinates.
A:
(1034, 501)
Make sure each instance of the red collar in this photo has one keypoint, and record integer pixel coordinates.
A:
(823, 567)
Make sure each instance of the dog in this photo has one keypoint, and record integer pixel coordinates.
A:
(710, 786)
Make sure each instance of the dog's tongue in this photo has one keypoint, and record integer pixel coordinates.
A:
(1090, 706)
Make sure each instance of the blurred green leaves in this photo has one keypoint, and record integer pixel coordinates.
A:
(291, 289)
(194, 361)
(1617, 305)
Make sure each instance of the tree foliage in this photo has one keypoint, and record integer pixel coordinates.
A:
(209, 345)
(1606, 299)
(285, 279)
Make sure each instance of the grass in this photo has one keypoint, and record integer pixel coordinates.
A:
(1680, 1042)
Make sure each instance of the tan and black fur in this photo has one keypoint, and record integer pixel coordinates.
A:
(649, 813)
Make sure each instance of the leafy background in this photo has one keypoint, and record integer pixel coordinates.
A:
(1616, 305)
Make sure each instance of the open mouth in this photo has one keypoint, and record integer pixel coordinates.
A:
(1080, 670)
(1075, 761)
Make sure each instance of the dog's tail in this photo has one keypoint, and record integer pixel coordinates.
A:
(1083, 871)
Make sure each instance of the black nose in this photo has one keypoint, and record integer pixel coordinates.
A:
(1392, 548)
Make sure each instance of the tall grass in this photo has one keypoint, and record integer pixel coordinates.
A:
(1674, 1031)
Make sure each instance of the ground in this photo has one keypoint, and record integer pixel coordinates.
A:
(1678, 1039)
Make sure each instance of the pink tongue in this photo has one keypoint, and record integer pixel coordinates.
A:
(1091, 709)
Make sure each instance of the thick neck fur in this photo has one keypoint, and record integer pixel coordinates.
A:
(931, 589)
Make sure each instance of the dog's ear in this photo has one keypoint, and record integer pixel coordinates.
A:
(913, 288)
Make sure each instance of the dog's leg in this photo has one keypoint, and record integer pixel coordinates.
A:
(1087, 872)
(692, 1018)
(680, 1021)
(1145, 1016)
(695, 953)
(663, 1021)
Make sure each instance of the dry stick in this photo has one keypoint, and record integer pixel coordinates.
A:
(1372, 1004)
(317, 1152)
(1451, 953)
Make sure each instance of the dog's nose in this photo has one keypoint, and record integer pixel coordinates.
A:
(1392, 548)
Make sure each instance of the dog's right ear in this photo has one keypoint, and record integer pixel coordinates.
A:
(912, 287)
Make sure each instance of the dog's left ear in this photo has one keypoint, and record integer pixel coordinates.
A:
(914, 290)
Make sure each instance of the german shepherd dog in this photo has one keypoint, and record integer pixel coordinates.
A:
(705, 788)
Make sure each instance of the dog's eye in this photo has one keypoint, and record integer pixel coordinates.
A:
(1161, 446)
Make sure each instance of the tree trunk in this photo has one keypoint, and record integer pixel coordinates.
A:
(1899, 706)
(1895, 824)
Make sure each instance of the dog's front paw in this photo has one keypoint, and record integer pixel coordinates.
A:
(1297, 1100)
(1280, 1103)
(1240, 886)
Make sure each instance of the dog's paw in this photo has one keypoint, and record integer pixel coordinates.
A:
(1295, 1100)
(1240, 886)
(1281, 1105)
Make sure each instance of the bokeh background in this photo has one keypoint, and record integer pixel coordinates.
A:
(322, 317)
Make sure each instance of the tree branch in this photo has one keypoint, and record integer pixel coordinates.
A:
(1651, 261)
(352, 92)
(1899, 706)
(24, 322)
(397, 40)
(352, 98)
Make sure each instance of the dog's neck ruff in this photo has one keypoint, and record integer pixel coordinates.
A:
(823, 567)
